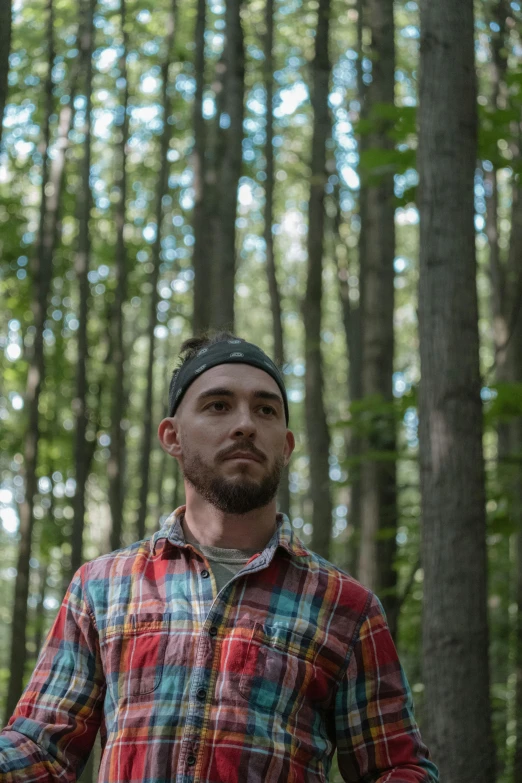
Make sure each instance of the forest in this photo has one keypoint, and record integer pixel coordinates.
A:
(339, 182)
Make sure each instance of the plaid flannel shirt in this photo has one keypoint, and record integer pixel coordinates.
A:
(259, 683)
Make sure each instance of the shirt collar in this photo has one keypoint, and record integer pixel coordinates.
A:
(284, 535)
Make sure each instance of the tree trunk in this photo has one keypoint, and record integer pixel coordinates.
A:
(378, 477)
(351, 315)
(316, 423)
(41, 268)
(156, 261)
(229, 161)
(200, 258)
(115, 466)
(516, 441)
(514, 361)
(455, 624)
(81, 266)
(5, 50)
(352, 330)
(283, 495)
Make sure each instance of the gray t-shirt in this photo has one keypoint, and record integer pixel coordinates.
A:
(223, 562)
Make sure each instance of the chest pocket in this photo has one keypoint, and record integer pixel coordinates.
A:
(133, 652)
(281, 671)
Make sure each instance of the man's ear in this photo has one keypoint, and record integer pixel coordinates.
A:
(168, 434)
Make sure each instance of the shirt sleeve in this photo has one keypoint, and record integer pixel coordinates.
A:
(52, 731)
(378, 740)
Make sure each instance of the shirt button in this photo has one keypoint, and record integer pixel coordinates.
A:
(205, 574)
(213, 630)
(201, 693)
(191, 760)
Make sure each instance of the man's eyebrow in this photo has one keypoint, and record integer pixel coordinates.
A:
(220, 391)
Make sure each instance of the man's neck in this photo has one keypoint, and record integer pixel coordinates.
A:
(230, 531)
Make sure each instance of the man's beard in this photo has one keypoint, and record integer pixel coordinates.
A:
(235, 494)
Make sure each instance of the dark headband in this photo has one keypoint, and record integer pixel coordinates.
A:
(223, 352)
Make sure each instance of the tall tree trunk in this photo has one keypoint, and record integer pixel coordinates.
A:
(115, 466)
(378, 478)
(200, 259)
(5, 50)
(161, 190)
(316, 423)
(230, 156)
(352, 331)
(81, 265)
(41, 268)
(455, 633)
(283, 495)
(514, 360)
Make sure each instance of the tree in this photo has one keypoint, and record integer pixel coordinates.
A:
(377, 253)
(161, 190)
(273, 287)
(228, 168)
(200, 259)
(5, 49)
(316, 424)
(41, 272)
(82, 257)
(115, 466)
(455, 623)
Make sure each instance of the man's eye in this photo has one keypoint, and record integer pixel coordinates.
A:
(267, 407)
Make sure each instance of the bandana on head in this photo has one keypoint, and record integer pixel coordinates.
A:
(223, 352)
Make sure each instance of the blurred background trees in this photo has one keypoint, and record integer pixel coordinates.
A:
(170, 167)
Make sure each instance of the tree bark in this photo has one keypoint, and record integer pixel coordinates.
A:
(316, 423)
(514, 361)
(351, 315)
(5, 50)
(41, 268)
(229, 162)
(455, 624)
(115, 466)
(81, 266)
(352, 331)
(377, 293)
(283, 495)
(200, 259)
(161, 190)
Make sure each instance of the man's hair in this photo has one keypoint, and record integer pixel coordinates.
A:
(190, 347)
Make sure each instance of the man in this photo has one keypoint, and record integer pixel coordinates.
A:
(221, 649)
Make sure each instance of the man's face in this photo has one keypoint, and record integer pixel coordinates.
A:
(212, 426)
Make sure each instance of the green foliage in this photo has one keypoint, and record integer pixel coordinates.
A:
(498, 131)
(399, 125)
(506, 404)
